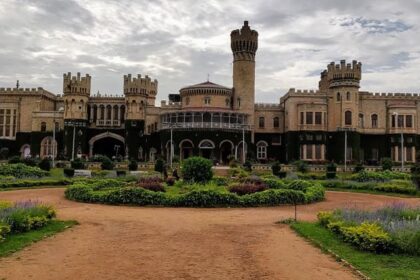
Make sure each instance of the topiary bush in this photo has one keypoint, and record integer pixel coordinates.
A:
(45, 164)
(68, 172)
(247, 165)
(331, 171)
(301, 166)
(29, 161)
(20, 170)
(133, 166)
(386, 163)
(299, 185)
(159, 165)
(15, 159)
(78, 163)
(197, 169)
(107, 164)
(359, 167)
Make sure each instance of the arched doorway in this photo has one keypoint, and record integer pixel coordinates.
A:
(226, 150)
(206, 149)
(25, 151)
(48, 147)
(108, 144)
(185, 149)
(152, 154)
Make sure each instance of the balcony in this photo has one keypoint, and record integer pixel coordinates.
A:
(108, 123)
(209, 125)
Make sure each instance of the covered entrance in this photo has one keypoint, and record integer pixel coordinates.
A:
(226, 150)
(108, 144)
(186, 148)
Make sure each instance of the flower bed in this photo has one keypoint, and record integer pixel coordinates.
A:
(394, 228)
(391, 186)
(23, 216)
(193, 195)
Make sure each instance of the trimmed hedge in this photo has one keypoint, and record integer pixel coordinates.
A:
(33, 183)
(392, 186)
(197, 169)
(20, 170)
(117, 192)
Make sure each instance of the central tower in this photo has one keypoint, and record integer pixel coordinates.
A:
(244, 45)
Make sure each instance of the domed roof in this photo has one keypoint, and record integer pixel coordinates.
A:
(206, 85)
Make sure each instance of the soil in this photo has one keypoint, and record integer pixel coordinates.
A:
(120, 242)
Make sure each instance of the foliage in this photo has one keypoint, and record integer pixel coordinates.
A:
(197, 169)
(299, 185)
(359, 167)
(4, 152)
(393, 228)
(78, 163)
(68, 172)
(170, 181)
(24, 216)
(276, 168)
(301, 166)
(393, 186)
(159, 165)
(29, 161)
(331, 170)
(274, 183)
(45, 164)
(153, 186)
(386, 164)
(246, 188)
(381, 176)
(20, 170)
(107, 163)
(220, 180)
(373, 265)
(415, 175)
(133, 166)
(27, 183)
(238, 172)
(195, 195)
(15, 159)
(247, 165)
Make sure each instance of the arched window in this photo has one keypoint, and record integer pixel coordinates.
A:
(48, 145)
(261, 122)
(262, 150)
(348, 96)
(108, 112)
(338, 96)
(374, 118)
(102, 107)
(276, 122)
(207, 100)
(347, 118)
(361, 121)
(43, 126)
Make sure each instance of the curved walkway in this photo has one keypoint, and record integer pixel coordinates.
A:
(118, 242)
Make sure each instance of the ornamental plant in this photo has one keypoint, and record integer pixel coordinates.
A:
(45, 164)
(133, 166)
(197, 169)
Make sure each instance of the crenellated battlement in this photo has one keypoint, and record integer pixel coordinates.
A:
(28, 91)
(76, 84)
(294, 91)
(244, 43)
(391, 95)
(139, 85)
(342, 74)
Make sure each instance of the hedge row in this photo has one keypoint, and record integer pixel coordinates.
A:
(98, 193)
(20, 170)
(393, 186)
(33, 183)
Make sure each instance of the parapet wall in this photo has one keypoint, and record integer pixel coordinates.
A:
(139, 85)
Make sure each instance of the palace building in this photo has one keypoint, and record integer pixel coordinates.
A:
(214, 121)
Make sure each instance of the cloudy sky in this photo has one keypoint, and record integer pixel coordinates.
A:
(180, 42)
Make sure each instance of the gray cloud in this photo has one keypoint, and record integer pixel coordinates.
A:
(180, 42)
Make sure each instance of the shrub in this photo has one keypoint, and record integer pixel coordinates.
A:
(368, 237)
(153, 186)
(247, 165)
(149, 179)
(233, 163)
(78, 163)
(197, 169)
(45, 164)
(382, 176)
(275, 168)
(4, 230)
(359, 167)
(238, 173)
(331, 170)
(107, 164)
(220, 181)
(386, 164)
(252, 180)
(159, 165)
(20, 170)
(15, 159)
(121, 173)
(325, 217)
(170, 181)
(299, 185)
(133, 166)
(301, 166)
(4, 153)
(61, 164)
(29, 161)
(274, 183)
(246, 188)
(415, 175)
(68, 172)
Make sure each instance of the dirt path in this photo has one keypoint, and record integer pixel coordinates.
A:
(115, 242)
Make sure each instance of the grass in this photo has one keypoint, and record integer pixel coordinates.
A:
(375, 266)
(57, 173)
(16, 242)
(372, 192)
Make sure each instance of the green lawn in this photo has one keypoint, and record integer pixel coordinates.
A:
(16, 242)
(376, 266)
(372, 192)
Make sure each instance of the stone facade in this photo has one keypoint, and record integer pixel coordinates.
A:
(214, 121)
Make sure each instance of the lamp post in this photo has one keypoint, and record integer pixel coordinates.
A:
(345, 129)
(402, 139)
(74, 139)
(172, 147)
(243, 144)
(54, 145)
